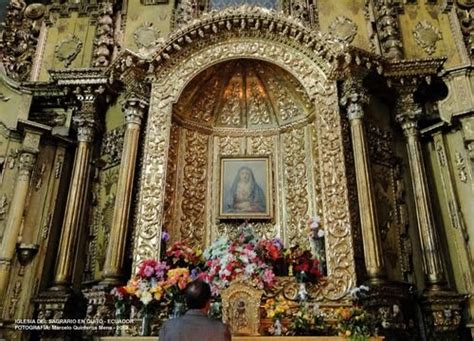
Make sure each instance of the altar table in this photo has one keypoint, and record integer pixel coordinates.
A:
(246, 338)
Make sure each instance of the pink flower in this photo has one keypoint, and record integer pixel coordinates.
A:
(268, 277)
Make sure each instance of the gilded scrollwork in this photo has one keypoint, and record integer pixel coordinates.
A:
(171, 185)
(334, 191)
(308, 71)
(231, 113)
(153, 181)
(230, 145)
(193, 204)
(296, 200)
(258, 112)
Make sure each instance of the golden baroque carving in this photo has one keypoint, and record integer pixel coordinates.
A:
(231, 108)
(229, 145)
(296, 200)
(240, 308)
(193, 205)
(171, 175)
(152, 182)
(258, 111)
(340, 260)
(170, 80)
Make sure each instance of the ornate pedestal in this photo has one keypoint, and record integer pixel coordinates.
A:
(394, 304)
(442, 311)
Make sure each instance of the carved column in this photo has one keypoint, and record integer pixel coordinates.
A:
(354, 98)
(85, 122)
(8, 246)
(408, 114)
(441, 306)
(134, 110)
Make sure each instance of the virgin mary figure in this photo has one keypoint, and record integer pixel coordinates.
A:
(245, 195)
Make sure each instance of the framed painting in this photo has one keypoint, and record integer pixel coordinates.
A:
(245, 187)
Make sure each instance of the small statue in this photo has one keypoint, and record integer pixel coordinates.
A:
(277, 328)
(302, 292)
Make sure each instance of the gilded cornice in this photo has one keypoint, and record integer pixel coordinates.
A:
(414, 68)
(86, 76)
(334, 57)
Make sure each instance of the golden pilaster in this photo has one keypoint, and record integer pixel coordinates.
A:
(28, 154)
(70, 231)
(408, 113)
(133, 110)
(353, 99)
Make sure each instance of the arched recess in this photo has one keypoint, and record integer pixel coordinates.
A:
(180, 60)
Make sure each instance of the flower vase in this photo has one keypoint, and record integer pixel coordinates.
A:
(178, 309)
(119, 315)
(145, 328)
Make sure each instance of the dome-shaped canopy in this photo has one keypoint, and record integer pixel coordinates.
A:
(243, 93)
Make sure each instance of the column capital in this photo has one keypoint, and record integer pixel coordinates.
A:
(27, 163)
(407, 110)
(354, 97)
(134, 110)
(86, 125)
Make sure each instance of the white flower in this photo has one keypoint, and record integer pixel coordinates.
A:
(146, 297)
(320, 233)
(315, 221)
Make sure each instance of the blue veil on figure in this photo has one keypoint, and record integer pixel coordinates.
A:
(257, 196)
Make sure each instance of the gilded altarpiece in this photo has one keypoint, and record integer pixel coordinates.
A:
(168, 89)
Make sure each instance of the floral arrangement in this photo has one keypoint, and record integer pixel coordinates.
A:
(276, 308)
(153, 284)
(307, 321)
(316, 234)
(228, 260)
(180, 254)
(355, 323)
(305, 266)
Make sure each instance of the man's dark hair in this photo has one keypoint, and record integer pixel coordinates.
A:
(197, 293)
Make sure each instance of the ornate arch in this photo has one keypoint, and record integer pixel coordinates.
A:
(251, 34)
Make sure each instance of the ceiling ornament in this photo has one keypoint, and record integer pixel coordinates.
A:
(426, 36)
(68, 49)
(343, 29)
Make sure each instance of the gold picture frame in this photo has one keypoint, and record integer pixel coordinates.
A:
(245, 187)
